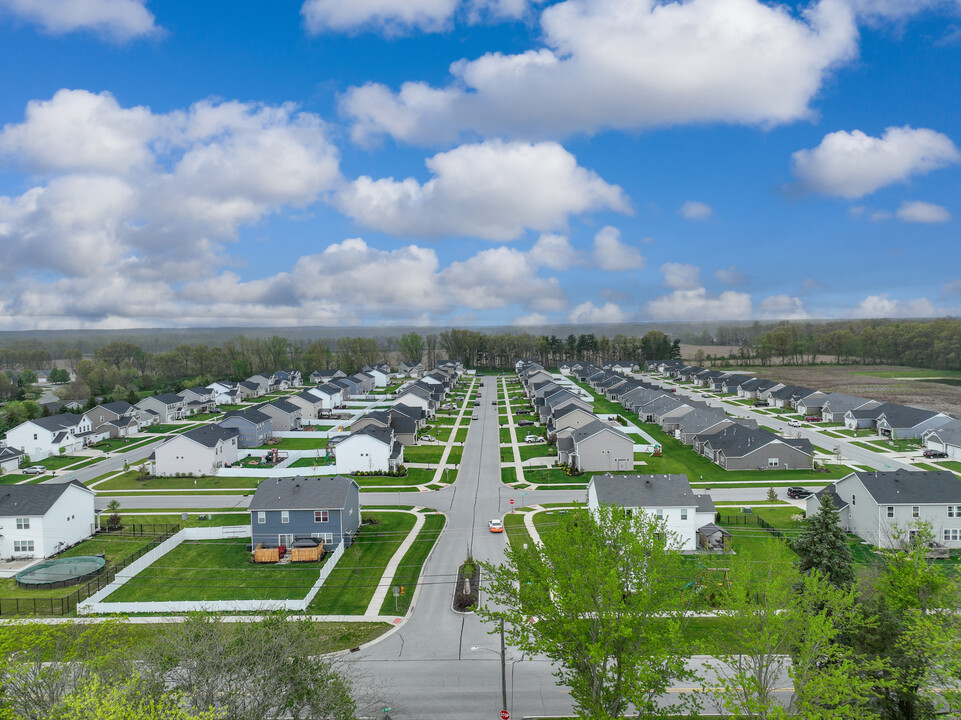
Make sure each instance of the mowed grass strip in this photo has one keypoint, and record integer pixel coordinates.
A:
(351, 585)
(423, 453)
(216, 570)
(296, 444)
(129, 481)
(408, 572)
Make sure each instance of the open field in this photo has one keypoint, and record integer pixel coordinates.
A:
(886, 383)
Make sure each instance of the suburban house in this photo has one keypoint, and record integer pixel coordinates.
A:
(117, 419)
(348, 386)
(836, 405)
(867, 416)
(198, 400)
(324, 376)
(375, 418)
(254, 426)
(786, 395)
(737, 447)
(570, 416)
(414, 370)
(284, 415)
(751, 389)
(249, 389)
(901, 421)
(284, 510)
(200, 451)
(380, 373)
(10, 459)
(42, 437)
(330, 395)
(41, 520)
(225, 392)
(946, 439)
(595, 447)
(365, 382)
(685, 514)
(810, 404)
(167, 406)
(265, 383)
(288, 378)
(878, 506)
(309, 403)
(369, 449)
(418, 397)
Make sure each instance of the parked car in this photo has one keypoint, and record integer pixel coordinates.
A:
(795, 423)
(428, 438)
(493, 402)
(812, 418)
(476, 403)
(524, 423)
(496, 526)
(935, 454)
(761, 403)
(473, 417)
(798, 492)
(532, 439)
(33, 470)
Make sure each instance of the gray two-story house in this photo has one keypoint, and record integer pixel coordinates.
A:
(284, 510)
(255, 427)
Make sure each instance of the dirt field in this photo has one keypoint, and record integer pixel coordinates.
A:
(906, 389)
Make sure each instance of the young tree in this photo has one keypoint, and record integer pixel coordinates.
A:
(127, 700)
(823, 545)
(600, 596)
(411, 347)
(113, 518)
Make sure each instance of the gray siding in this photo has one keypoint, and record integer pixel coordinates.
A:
(788, 457)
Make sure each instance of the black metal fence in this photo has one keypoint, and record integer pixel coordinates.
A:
(141, 529)
(750, 519)
(67, 604)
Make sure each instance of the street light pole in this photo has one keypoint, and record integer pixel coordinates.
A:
(503, 669)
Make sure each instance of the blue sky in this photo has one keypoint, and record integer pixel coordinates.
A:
(434, 162)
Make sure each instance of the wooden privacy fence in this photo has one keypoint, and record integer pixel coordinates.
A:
(67, 604)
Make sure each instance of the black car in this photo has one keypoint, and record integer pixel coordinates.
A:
(935, 454)
(524, 423)
(761, 403)
(798, 492)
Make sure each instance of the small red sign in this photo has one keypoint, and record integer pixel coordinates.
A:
(512, 501)
(505, 715)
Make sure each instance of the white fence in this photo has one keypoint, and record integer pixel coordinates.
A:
(96, 603)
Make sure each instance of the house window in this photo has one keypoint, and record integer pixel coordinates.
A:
(285, 516)
(916, 511)
(320, 516)
(325, 538)
(890, 511)
(772, 462)
(954, 511)
(23, 523)
(683, 513)
(953, 534)
(854, 500)
(23, 546)
(285, 539)
(261, 517)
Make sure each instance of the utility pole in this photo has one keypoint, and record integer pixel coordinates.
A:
(503, 669)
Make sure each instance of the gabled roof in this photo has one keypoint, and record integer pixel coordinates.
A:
(249, 385)
(644, 491)
(329, 389)
(7, 453)
(210, 435)
(907, 486)
(300, 493)
(120, 407)
(286, 406)
(167, 398)
(415, 413)
(309, 397)
(842, 402)
(249, 414)
(903, 416)
(32, 500)
(53, 423)
(788, 391)
(381, 434)
(871, 412)
(737, 441)
(595, 427)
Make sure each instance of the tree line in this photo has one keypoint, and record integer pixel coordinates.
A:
(818, 638)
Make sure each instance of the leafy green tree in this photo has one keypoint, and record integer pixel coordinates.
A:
(27, 377)
(605, 591)
(411, 347)
(127, 700)
(823, 545)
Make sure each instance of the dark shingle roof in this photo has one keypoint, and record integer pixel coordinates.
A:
(903, 416)
(57, 422)
(210, 435)
(249, 414)
(32, 499)
(375, 431)
(644, 490)
(300, 493)
(907, 486)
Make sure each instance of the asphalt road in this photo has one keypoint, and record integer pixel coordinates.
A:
(113, 463)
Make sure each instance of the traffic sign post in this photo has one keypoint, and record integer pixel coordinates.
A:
(512, 505)
(504, 715)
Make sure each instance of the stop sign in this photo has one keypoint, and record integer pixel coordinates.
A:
(505, 715)
(512, 501)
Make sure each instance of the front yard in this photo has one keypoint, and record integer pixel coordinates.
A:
(129, 481)
(296, 444)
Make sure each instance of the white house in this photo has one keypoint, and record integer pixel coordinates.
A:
(42, 437)
(10, 459)
(37, 521)
(369, 449)
(330, 395)
(200, 451)
(876, 506)
(668, 497)
(380, 375)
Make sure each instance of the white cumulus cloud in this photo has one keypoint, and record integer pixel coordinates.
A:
(626, 64)
(492, 190)
(698, 304)
(854, 164)
(392, 16)
(589, 313)
(694, 210)
(680, 276)
(611, 254)
(555, 252)
(882, 306)
(117, 19)
(529, 320)
(782, 307)
(731, 276)
(918, 211)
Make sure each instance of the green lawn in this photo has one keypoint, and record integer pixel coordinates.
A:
(455, 455)
(951, 464)
(461, 435)
(162, 428)
(927, 466)
(408, 572)
(309, 462)
(215, 519)
(505, 435)
(509, 475)
(297, 444)
(423, 453)
(216, 570)
(112, 444)
(129, 481)
(872, 448)
(14, 478)
(537, 450)
(55, 463)
(414, 476)
(507, 454)
(350, 587)
(115, 547)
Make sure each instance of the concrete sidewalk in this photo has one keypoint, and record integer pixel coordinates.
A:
(380, 593)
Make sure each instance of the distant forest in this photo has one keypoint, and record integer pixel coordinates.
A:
(119, 368)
